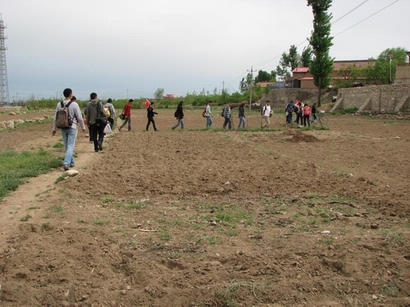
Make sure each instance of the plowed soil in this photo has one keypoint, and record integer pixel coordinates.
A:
(280, 217)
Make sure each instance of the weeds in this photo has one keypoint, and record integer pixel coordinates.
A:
(16, 167)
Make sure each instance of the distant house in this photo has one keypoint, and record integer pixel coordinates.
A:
(302, 78)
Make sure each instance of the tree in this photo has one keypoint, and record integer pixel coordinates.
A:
(321, 41)
(348, 74)
(384, 68)
(288, 61)
(246, 84)
(264, 76)
(306, 57)
(159, 93)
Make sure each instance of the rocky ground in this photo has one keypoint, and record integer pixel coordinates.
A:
(284, 217)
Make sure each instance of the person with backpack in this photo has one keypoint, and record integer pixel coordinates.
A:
(299, 113)
(227, 113)
(96, 119)
(306, 115)
(111, 112)
(69, 132)
(241, 115)
(150, 116)
(208, 115)
(127, 115)
(266, 114)
(289, 112)
(179, 115)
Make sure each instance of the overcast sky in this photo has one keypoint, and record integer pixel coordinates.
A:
(130, 48)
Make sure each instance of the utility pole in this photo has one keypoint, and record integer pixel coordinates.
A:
(4, 87)
(250, 88)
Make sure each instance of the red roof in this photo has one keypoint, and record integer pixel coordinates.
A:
(301, 69)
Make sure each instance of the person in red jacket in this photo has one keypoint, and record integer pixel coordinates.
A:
(127, 113)
(306, 115)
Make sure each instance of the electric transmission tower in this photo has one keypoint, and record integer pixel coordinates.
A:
(4, 87)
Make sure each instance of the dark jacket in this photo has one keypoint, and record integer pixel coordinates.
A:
(150, 112)
(179, 113)
(241, 111)
(94, 110)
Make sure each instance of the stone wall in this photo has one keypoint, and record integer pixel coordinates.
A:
(375, 99)
(279, 98)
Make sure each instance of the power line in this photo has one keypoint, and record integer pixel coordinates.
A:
(367, 17)
(349, 12)
(340, 18)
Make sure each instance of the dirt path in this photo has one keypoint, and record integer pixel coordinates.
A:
(27, 199)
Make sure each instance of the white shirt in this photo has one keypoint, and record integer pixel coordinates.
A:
(266, 110)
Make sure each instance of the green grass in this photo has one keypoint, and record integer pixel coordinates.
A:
(17, 167)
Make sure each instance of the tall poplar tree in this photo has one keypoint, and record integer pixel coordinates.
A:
(321, 41)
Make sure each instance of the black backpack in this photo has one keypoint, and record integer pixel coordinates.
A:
(63, 118)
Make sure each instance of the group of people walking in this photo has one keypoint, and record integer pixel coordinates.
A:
(97, 116)
(304, 113)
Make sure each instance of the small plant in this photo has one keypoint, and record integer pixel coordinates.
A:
(164, 234)
(135, 205)
(98, 222)
(46, 226)
(62, 177)
(107, 200)
(58, 145)
(26, 218)
(58, 209)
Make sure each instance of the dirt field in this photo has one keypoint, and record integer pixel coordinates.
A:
(214, 218)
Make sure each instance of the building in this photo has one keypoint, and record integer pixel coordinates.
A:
(303, 79)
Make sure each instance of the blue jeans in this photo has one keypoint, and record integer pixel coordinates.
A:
(180, 122)
(209, 121)
(227, 122)
(242, 122)
(69, 137)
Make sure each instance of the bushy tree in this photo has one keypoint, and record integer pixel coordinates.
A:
(321, 41)
(306, 57)
(264, 76)
(159, 93)
(385, 63)
(348, 74)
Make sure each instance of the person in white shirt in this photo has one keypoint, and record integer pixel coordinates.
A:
(208, 115)
(266, 114)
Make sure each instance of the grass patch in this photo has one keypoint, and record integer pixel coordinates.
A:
(17, 167)
(26, 218)
(58, 145)
(62, 177)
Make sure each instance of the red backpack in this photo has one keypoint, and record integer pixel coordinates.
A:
(306, 111)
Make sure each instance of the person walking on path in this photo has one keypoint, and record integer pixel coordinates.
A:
(208, 115)
(289, 112)
(179, 115)
(242, 121)
(227, 113)
(266, 114)
(97, 120)
(313, 110)
(150, 116)
(306, 115)
(111, 109)
(69, 134)
(127, 113)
